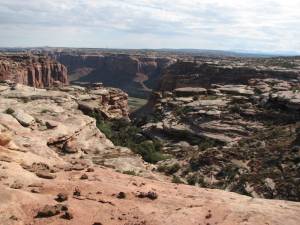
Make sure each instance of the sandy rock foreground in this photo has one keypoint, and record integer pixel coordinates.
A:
(41, 183)
(36, 195)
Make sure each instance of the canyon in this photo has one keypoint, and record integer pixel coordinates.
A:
(135, 74)
(216, 143)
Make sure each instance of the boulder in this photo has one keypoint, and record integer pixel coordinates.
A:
(4, 139)
(70, 147)
(23, 118)
(288, 98)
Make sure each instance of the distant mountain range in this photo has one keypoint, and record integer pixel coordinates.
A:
(194, 52)
(235, 53)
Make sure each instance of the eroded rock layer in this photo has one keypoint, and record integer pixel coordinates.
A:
(50, 123)
(232, 71)
(36, 71)
(233, 131)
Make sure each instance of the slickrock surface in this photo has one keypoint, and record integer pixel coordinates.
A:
(36, 71)
(51, 124)
(240, 137)
(96, 200)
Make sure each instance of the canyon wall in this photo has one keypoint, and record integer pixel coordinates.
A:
(192, 74)
(136, 75)
(36, 71)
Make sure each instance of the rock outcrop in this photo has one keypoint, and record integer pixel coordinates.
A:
(236, 135)
(32, 70)
(52, 123)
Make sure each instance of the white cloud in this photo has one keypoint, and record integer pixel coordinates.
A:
(215, 24)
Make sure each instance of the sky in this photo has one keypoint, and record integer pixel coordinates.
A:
(252, 25)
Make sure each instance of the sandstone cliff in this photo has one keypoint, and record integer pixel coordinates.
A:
(136, 75)
(194, 74)
(36, 71)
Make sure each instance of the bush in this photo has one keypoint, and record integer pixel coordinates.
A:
(129, 172)
(182, 111)
(105, 128)
(207, 143)
(169, 169)
(123, 133)
(177, 180)
(192, 179)
(235, 108)
(149, 151)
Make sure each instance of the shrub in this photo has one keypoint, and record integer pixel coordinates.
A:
(105, 128)
(123, 133)
(192, 179)
(207, 143)
(182, 111)
(177, 180)
(129, 172)
(169, 169)
(148, 150)
(9, 111)
(235, 108)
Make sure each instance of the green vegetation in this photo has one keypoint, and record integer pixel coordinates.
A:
(192, 179)
(182, 111)
(236, 108)
(149, 118)
(149, 150)
(123, 133)
(207, 143)
(177, 180)
(130, 172)
(169, 169)
(136, 103)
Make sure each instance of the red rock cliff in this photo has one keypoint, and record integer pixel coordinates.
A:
(36, 71)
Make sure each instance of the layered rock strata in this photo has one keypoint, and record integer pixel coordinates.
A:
(36, 71)
(53, 124)
(239, 134)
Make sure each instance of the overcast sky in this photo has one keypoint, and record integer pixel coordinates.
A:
(263, 25)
